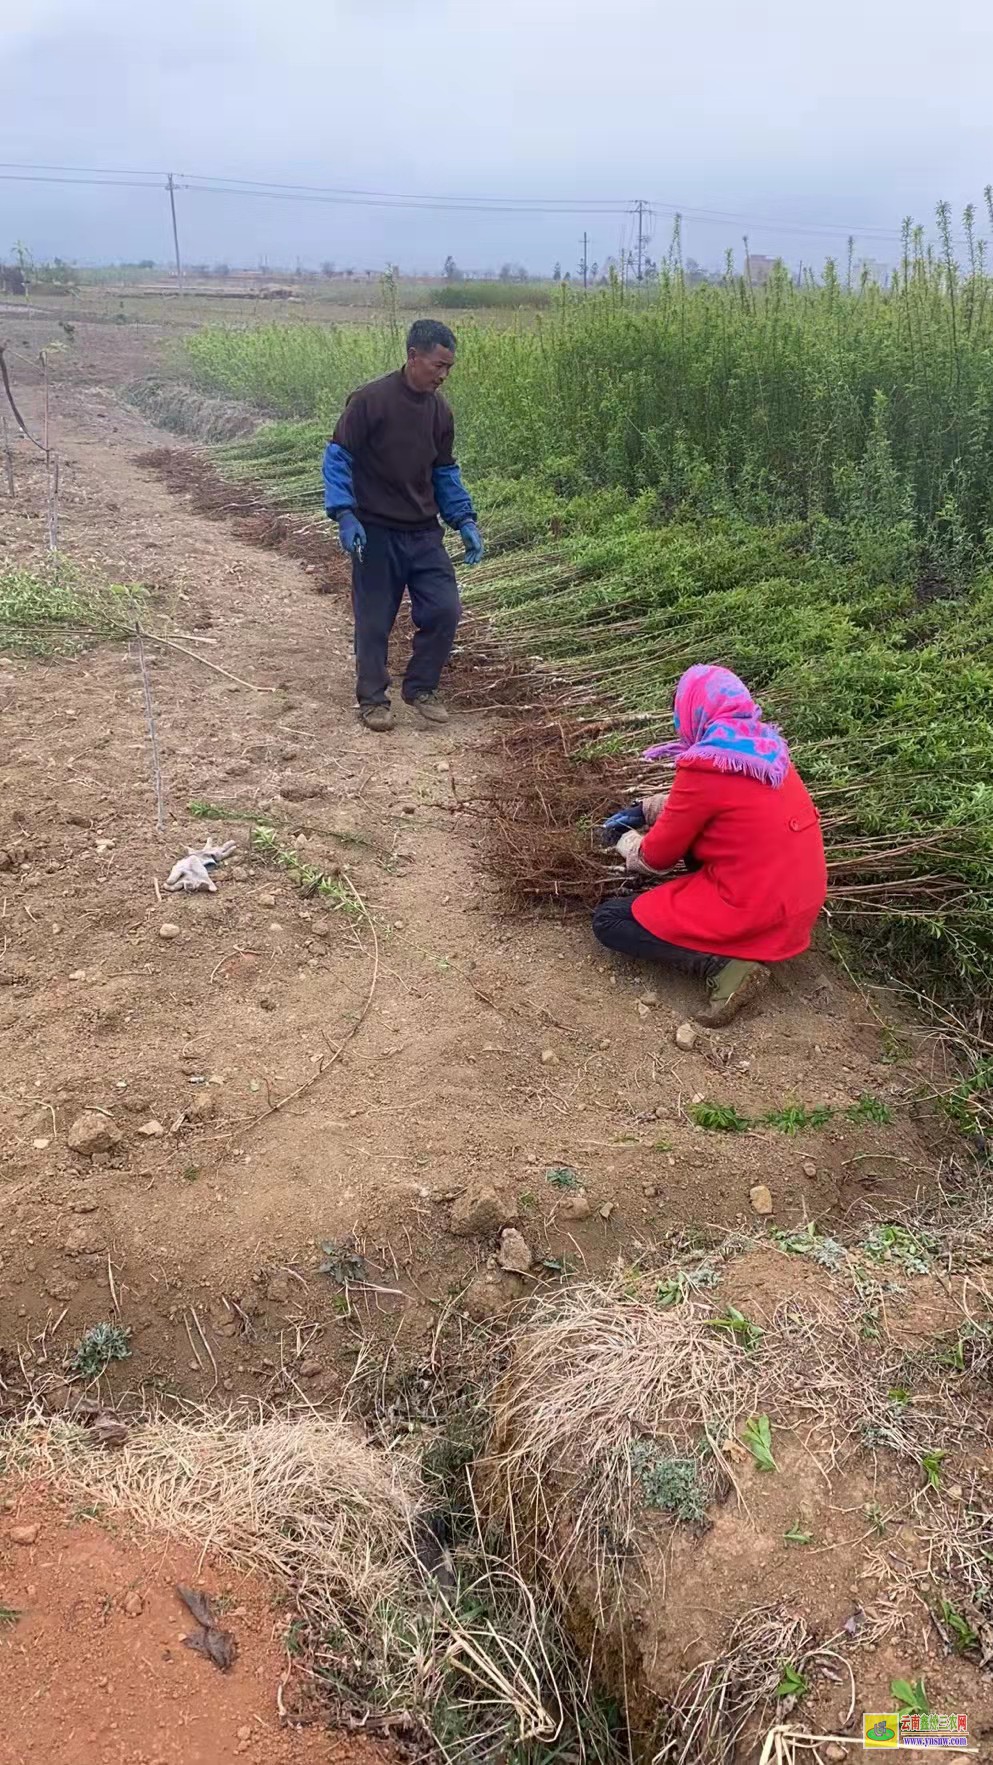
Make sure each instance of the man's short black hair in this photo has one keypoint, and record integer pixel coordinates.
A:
(428, 334)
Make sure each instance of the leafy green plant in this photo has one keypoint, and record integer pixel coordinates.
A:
(719, 1118)
(870, 1109)
(895, 1243)
(797, 1534)
(675, 1288)
(561, 1176)
(757, 1436)
(97, 1347)
(818, 1246)
(343, 1262)
(792, 1683)
(333, 888)
(964, 1636)
(931, 1463)
(58, 609)
(206, 811)
(737, 1325)
(910, 1697)
(669, 1483)
(795, 1118)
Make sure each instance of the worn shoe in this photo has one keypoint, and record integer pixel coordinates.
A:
(430, 707)
(377, 717)
(735, 985)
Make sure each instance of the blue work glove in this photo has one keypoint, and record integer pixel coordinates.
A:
(624, 820)
(472, 539)
(351, 533)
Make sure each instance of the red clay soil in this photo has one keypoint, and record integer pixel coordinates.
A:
(94, 1671)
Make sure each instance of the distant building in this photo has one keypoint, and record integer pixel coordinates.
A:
(759, 269)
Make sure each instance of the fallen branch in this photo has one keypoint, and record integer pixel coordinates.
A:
(327, 1061)
(214, 667)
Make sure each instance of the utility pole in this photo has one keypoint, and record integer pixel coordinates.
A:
(641, 236)
(171, 187)
(586, 259)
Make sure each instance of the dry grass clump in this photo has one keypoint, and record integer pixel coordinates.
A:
(301, 1500)
(593, 1375)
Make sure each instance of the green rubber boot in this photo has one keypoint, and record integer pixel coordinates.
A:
(735, 985)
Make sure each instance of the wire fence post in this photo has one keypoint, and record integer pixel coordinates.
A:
(153, 738)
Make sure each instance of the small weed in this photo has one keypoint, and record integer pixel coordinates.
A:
(670, 1484)
(97, 1347)
(876, 1518)
(963, 1635)
(191, 1174)
(931, 1463)
(795, 1118)
(797, 1535)
(342, 1262)
(719, 1118)
(899, 1396)
(295, 1639)
(757, 1435)
(892, 1243)
(870, 1109)
(8, 1616)
(557, 1265)
(562, 1177)
(525, 1199)
(911, 1698)
(202, 811)
(675, 1288)
(741, 1328)
(792, 1683)
(820, 1248)
(661, 1144)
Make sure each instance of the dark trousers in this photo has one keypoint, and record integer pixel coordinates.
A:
(395, 561)
(615, 926)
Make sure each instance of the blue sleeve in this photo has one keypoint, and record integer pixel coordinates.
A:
(454, 502)
(339, 491)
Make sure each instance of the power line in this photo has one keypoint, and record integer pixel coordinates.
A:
(218, 185)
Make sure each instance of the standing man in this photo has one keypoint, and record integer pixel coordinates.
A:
(389, 473)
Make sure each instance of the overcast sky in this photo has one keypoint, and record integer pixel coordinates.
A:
(835, 114)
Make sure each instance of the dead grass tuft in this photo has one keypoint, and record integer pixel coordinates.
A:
(300, 1500)
(593, 1375)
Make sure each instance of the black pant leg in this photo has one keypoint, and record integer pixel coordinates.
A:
(435, 608)
(377, 590)
(615, 926)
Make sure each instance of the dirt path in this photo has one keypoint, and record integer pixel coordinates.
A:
(493, 1051)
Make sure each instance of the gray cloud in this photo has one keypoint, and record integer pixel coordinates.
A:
(772, 117)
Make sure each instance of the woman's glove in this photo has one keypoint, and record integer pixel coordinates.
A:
(629, 847)
(651, 808)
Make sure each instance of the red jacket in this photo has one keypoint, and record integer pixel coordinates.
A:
(762, 880)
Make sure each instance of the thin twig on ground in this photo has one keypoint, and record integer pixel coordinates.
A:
(327, 1061)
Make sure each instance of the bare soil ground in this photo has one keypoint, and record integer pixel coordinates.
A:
(494, 1049)
(94, 1669)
